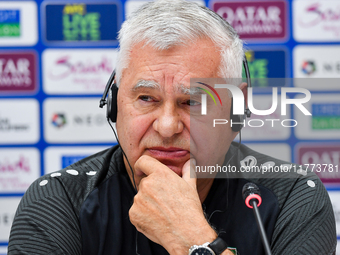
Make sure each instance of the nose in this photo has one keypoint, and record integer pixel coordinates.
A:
(169, 121)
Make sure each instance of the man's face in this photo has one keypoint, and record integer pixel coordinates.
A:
(154, 107)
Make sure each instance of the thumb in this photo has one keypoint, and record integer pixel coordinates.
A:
(189, 174)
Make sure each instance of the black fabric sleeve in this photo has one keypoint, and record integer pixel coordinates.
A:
(45, 221)
(306, 223)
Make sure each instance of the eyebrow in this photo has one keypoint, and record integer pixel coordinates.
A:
(155, 85)
(146, 84)
(189, 91)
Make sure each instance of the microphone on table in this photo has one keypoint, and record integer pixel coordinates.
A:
(252, 197)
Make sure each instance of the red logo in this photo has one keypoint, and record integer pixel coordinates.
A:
(16, 166)
(18, 72)
(255, 19)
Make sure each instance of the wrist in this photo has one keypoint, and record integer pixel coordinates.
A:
(217, 247)
(203, 235)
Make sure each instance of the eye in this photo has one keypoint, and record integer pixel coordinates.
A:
(191, 102)
(146, 98)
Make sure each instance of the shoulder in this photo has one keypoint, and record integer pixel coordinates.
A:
(77, 180)
(305, 222)
(48, 213)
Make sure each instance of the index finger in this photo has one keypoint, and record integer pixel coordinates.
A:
(149, 165)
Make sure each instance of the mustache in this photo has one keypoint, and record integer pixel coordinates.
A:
(168, 142)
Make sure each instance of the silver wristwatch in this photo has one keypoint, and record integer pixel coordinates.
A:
(203, 249)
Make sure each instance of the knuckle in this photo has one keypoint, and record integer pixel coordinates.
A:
(145, 184)
(136, 201)
(131, 215)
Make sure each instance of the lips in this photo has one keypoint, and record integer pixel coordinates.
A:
(172, 157)
(171, 153)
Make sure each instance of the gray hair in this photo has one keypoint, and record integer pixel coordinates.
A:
(166, 23)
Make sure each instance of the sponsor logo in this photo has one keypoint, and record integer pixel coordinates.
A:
(324, 155)
(89, 120)
(324, 122)
(18, 169)
(325, 116)
(316, 21)
(77, 71)
(18, 72)
(9, 23)
(7, 212)
(79, 22)
(308, 67)
(64, 68)
(264, 66)
(19, 121)
(57, 158)
(21, 165)
(75, 120)
(322, 62)
(18, 23)
(255, 20)
(58, 120)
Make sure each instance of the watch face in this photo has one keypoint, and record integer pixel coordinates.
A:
(201, 251)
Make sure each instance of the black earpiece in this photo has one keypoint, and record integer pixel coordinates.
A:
(111, 110)
(111, 91)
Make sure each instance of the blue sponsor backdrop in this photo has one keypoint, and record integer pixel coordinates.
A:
(92, 25)
(83, 23)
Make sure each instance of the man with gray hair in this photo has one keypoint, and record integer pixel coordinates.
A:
(143, 196)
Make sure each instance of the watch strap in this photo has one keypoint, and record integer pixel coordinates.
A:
(194, 248)
(218, 245)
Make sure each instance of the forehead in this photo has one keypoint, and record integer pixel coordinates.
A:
(173, 66)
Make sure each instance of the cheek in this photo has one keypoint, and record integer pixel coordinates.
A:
(209, 144)
(131, 129)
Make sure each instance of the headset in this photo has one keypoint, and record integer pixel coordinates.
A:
(111, 92)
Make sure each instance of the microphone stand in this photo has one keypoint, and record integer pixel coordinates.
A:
(260, 227)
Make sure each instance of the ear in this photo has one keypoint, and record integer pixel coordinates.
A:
(244, 87)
